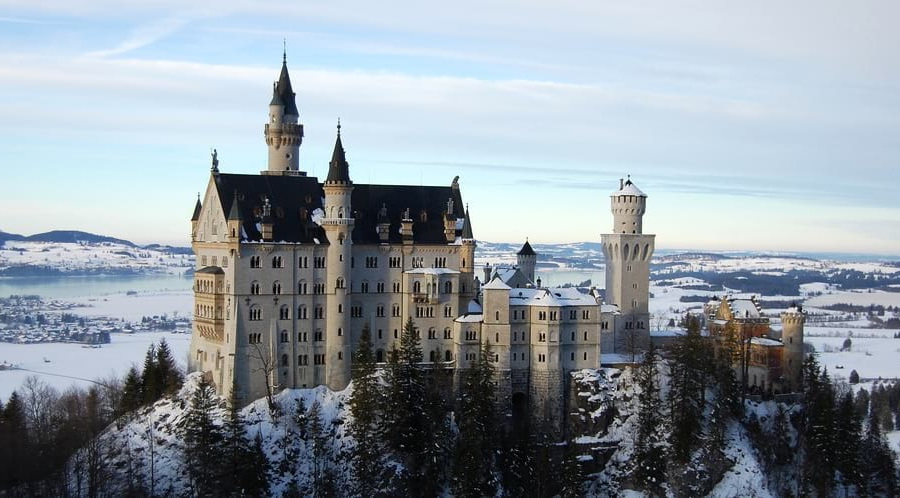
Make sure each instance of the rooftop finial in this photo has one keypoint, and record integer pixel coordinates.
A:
(284, 51)
(339, 127)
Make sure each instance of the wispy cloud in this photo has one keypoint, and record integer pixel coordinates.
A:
(143, 35)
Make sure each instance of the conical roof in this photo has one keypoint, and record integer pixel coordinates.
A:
(283, 93)
(467, 226)
(526, 250)
(197, 208)
(338, 169)
(235, 213)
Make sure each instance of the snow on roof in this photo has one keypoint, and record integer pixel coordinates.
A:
(470, 318)
(744, 308)
(668, 333)
(609, 308)
(497, 283)
(629, 188)
(568, 296)
(765, 341)
(431, 271)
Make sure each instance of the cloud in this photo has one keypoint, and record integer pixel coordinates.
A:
(142, 36)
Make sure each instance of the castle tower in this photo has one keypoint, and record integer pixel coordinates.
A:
(283, 131)
(338, 225)
(628, 251)
(792, 321)
(526, 258)
(467, 264)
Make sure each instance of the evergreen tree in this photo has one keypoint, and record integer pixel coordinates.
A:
(847, 435)
(14, 451)
(877, 462)
(168, 375)
(364, 403)
(245, 469)
(202, 441)
(649, 454)
(474, 459)
(687, 396)
(321, 485)
(131, 392)
(150, 382)
(818, 428)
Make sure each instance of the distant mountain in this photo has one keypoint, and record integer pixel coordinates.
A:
(4, 236)
(75, 236)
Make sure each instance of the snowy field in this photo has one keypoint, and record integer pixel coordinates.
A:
(859, 298)
(71, 364)
(132, 308)
(871, 357)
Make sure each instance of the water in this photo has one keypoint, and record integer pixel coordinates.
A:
(559, 277)
(69, 287)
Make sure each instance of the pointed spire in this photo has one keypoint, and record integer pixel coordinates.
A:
(283, 93)
(235, 213)
(197, 208)
(526, 250)
(467, 226)
(338, 169)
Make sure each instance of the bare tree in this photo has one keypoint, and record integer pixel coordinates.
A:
(267, 367)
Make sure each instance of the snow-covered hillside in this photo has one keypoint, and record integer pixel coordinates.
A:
(24, 258)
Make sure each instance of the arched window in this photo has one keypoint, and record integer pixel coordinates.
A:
(284, 312)
(417, 287)
(254, 287)
(379, 356)
(448, 287)
(448, 356)
(339, 283)
(276, 287)
(284, 360)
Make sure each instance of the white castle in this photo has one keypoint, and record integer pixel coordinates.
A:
(290, 270)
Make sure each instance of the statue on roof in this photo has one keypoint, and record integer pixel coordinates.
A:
(215, 161)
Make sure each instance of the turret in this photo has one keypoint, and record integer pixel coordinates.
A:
(628, 205)
(467, 262)
(338, 225)
(792, 322)
(234, 220)
(283, 131)
(527, 260)
(195, 219)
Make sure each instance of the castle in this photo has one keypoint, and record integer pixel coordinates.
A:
(290, 270)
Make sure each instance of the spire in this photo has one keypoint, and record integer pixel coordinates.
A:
(338, 169)
(467, 226)
(235, 213)
(283, 93)
(197, 208)
(526, 250)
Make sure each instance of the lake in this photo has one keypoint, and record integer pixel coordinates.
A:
(78, 286)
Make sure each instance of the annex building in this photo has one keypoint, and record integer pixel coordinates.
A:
(290, 268)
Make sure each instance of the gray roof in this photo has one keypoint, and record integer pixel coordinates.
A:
(283, 93)
(338, 168)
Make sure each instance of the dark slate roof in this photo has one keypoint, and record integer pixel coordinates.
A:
(235, 213)
(526, 250)
(197, 208)
(338, 168)
(212, 270)
(283, 93)
(368, 199)
(293, 200)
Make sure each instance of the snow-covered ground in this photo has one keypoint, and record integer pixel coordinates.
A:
(871, 357)
(859, 298)
(63, 364)
(70, 257)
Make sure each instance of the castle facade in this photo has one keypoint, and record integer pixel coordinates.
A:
(290, 270)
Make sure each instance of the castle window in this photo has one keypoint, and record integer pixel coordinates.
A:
(215, 261)
(319, 262)
(448, 287)
(553, 315)
(319, 312)
(277, 262)
(303, 262)
(573, 336)
(585, 355)
(276, 287)
(379, 312)
(572, 356)
(340, 308)
(417, 287)
(340, 355)
(379, 356)
(364, 287)
(432, 333)
(203, 261)
(255, 314)
(432, 356)
(542, 337)
(301, 312)
(254, 288)
(394, 262)
(356, 311)
(448, 356)
(542, 358)
(339, 283)
(319, 359)
(371, 261)
(254, 338)
(396, 287)
(497, 338)
(448, 334)
(284, 313)
(303, 360)
(254, 261)
(284, 360)
(497, 316)
(317, 335)
(604, 326)
(448, 311)
(573, 315)
(301, 287)
(471, 335)
(586, 314)
(379, 287)
(395, 310)
(396, 334)
(302, 337)
(585, 336)
(542, 315)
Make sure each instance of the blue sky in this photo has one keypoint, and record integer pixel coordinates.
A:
(764, 125)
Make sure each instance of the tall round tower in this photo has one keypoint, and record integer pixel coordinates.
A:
(283, 131)
(338, 225)
(792, 321)
(627, 251)
(526, 258)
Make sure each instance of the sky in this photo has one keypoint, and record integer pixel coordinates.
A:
(766, 125)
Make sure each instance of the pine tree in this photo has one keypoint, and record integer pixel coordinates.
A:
(150, 382)
(649, 455)
(167, 373)
(245, 469)
(474, 459)
(131, 392)
(14, 451)
(847, 435)
(877, 462)
(687, 396)
(320, 450)
(364, 403)
(202, 441)
(818, 428)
